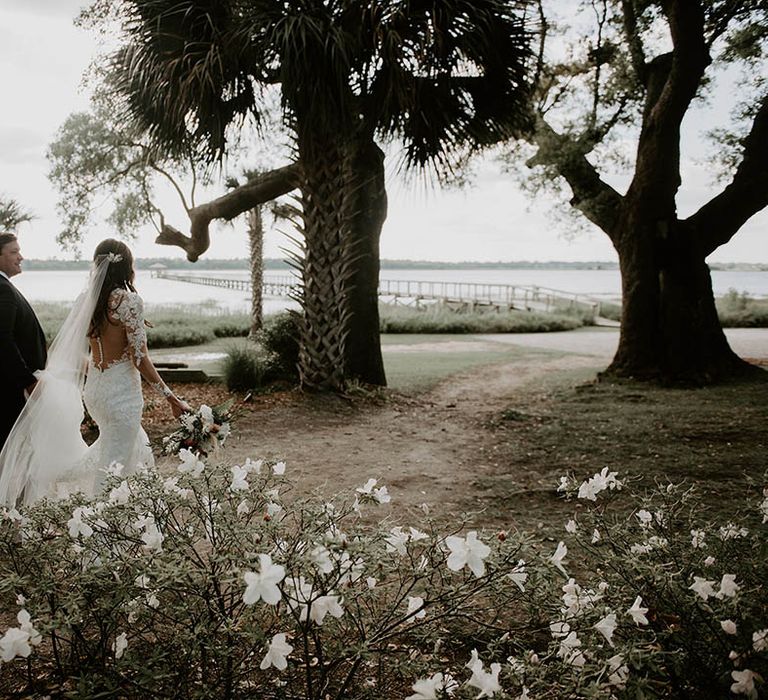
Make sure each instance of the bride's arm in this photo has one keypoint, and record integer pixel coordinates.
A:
(153, 378)
(130, 312)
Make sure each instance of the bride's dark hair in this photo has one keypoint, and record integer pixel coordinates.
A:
(120, 275)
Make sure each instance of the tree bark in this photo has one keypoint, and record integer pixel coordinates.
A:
(256, 250)
(670, 331)
(255, 192)
(369, 210)
(324, 264)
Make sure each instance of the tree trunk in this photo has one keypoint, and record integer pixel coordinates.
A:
(670, 331)
(369, 205)
(256, 248)
(324, 266)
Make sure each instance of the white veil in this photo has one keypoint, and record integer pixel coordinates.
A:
(45, 442)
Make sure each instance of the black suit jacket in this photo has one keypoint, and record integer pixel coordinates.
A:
(22, 351)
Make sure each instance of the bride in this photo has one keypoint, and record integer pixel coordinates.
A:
(45, 454)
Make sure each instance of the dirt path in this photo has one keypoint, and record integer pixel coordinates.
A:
(437, 447)
(430, 448)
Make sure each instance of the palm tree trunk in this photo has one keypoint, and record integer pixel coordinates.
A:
(325, 267)
(256, 247)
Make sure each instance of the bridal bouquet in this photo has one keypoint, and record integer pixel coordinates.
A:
(201, 432)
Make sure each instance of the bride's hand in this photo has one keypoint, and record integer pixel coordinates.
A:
(179, 407)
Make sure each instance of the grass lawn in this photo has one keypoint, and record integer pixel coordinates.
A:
(714, 437)
(418, 362)
(412, 362)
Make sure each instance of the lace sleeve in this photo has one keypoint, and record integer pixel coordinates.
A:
(129, 310)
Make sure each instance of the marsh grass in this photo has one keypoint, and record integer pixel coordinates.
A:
(438, 319)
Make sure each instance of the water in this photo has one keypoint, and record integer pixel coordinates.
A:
(64, 286)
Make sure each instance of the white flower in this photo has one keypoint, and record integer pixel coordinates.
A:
(709, 561)
(120, 495)
(15, 642)
(21, 600)
(278, 468)
(728, 586)
(524, 695)
(760, 640)
(262, 585)
(469, 551)
(729, 626)
(595, 536)
(153, 601)
(190, 463)
(599, 482)
(206, 416)
(744, 683)
(416, 535)
(243, 508)
(518, 575)
(703, 587)
(396, 540)
(732, 532)
(570, 527)
(367, 487)
(416, 603)
(251, 466)
(559, 629)
(697, 539)
(427, 689)
(141, 581)
(277, 654)
(371, 582)
(77, 526)
(764, 506)
(569, 650)
(558, 556)
(486, 682)
(644, 517)
(239, 481)
(273, 509)
(152, 537)
(638, 613)
(25, 625)
(563, 485)
(607, 626)
(618, 671)
(321, 558)
(324, 605)
(120, 645)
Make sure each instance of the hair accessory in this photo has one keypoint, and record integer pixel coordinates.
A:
(114, 257)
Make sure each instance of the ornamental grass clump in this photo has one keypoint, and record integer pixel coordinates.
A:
(218, 582)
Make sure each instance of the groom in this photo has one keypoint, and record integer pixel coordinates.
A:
(22, 341)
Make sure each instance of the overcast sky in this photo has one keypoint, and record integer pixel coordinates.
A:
(42, 59)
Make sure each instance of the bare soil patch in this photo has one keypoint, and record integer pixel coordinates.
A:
(494, 440)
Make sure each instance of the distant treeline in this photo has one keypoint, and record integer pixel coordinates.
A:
(278, 264)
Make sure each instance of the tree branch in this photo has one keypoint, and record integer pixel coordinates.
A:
(636, 50)
(595, 198)
(718, 220)
(257, 191)
(672, 82)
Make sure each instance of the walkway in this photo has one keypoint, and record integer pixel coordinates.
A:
(746, 342)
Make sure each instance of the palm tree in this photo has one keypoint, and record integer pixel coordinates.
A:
(12, 214)
(447, 77)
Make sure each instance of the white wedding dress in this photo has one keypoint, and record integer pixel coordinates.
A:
(45, 454)
(115, 401)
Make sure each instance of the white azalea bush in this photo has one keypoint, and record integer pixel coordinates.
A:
(217, 583)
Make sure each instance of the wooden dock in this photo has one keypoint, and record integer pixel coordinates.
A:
(457, 295)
